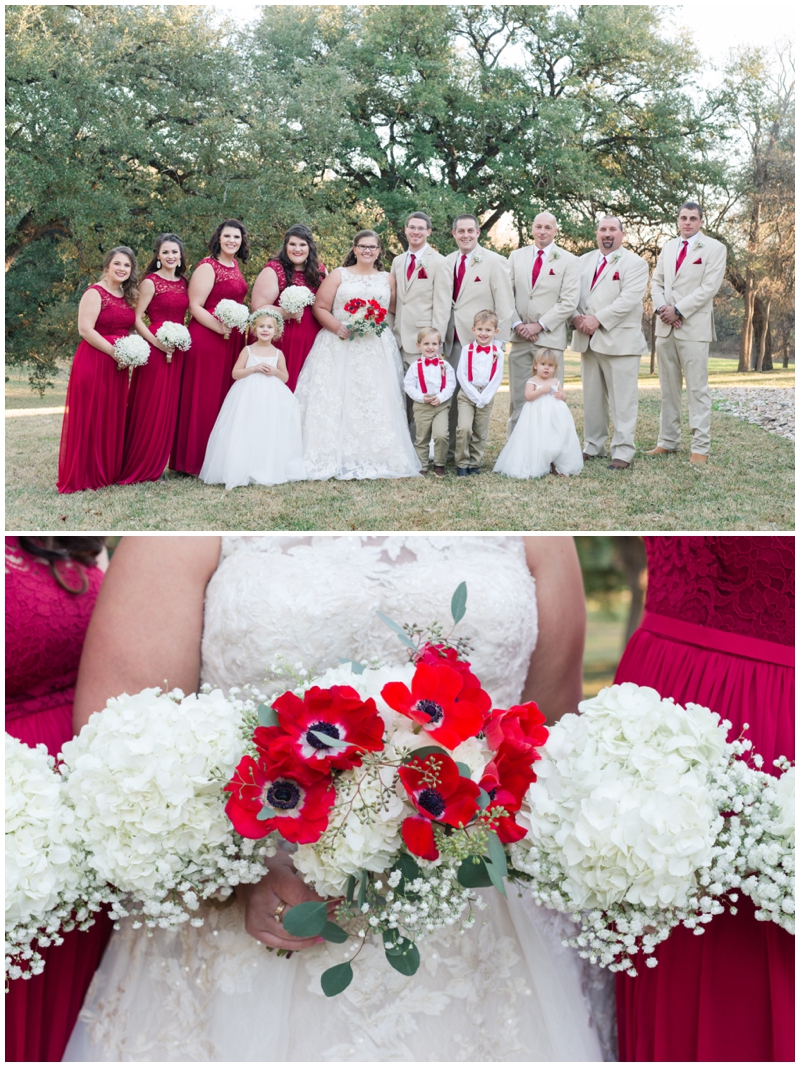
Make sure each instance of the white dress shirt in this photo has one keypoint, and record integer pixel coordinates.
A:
(484, 383)
(433, 380)
(544, 258)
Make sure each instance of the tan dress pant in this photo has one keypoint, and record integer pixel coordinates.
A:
(432, 422)
(520, 362)
(472, 431)
(677, 360)
(610, 382)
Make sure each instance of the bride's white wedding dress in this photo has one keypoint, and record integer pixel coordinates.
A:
(505, 990)
(351, 396)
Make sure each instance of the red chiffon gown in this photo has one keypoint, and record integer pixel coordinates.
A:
(45, 629)
(93, 431)
(155, 389)
(206, 373)
(718, 630)
(298, 337)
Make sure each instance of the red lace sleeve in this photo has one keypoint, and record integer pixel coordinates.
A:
(281, 273)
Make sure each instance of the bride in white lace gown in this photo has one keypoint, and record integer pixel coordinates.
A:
(351, 388)
(506, 989)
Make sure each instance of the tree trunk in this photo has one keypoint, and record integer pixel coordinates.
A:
(633, 557)
(786, 354)
(767, 363)
(653, 343)
(746, 340)
(761, 334)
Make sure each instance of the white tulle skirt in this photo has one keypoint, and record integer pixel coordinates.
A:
(353, 409)
(544, 434)
(257, 436)
(506, 990)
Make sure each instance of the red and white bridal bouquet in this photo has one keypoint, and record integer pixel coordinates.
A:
(366, 317)
(399, 786)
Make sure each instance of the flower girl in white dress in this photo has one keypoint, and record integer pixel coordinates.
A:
(544, 439)
(257, 436)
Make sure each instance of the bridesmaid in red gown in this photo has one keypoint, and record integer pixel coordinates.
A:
(215, 349)
(297, 263)
(51, 588)
(718, 630)
(155, 387)
(93, 431)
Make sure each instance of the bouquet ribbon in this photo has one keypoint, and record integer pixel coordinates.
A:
(691, 633)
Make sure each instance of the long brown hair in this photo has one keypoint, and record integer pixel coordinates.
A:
(62, 553)
(313, 271)
(153, 265)
(350, 259)
(215, 247)
(130, 287)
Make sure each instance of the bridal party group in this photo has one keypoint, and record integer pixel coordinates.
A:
(363, 372)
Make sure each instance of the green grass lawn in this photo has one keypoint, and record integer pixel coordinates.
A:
(748, 485)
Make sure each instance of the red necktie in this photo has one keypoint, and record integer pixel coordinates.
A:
(462, 268)
(537, 266)
(598, 272)
(410, 270)
(681, 256)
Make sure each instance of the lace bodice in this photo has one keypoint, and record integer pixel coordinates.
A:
(170, 301)
(298, 278)
(229, 284)
(314, 599)
(366, 286)
(743, 585)
(116, 316)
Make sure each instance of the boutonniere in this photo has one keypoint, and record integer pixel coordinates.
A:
(616, 257)
(700, 244)
(477, 258)
(556, 255)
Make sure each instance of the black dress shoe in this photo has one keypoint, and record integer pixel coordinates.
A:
(474, 470)
(462, 472)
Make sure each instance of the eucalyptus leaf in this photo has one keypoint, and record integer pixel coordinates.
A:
(394, 945)
(358, 668)
(336, 979)
(306, 920)
(496, 877)
(483, 800)
(328, 741)
(362, 889)
(407, 962)
(473, 874)
(351, 888)
(426, 750)
(266, 813)
(458, 605)
(333, 932)
(267, 716)
(463, 769)
(408, 865)
(497, 854)
(397, 629)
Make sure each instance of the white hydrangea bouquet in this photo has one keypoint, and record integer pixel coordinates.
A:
(232, 314)
(49, 886)
(398, 785)
(131, 351)
(174, 335)
(638, 821)
(144, 779)
(296, 297)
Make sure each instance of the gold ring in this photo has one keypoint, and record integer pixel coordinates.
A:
(279, 912)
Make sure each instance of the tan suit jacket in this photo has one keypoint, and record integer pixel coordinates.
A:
(692, 289)
(486, 285)
(616, 301)
(421, 301)
(554, 299)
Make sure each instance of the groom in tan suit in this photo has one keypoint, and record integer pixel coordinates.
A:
(608, 334)
(546, 283)
(424, 294)
(687, 277)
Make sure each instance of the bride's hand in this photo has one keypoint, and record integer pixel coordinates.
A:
(282, 884)
(343, 332)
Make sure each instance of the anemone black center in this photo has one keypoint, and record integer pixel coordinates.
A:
(283, 794)
(492, 793)
(433, 710)
(432, 801)
(322, 728)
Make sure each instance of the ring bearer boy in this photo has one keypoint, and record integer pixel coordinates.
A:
(430, 383)
(480, 371)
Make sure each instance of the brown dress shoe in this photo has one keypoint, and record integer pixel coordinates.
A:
(587, 457)
(439, 472)
(618, 465)
(698, 457)
(659, 451)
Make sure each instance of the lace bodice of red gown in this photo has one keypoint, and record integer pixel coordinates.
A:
(170, 301)
(45, 629)
(742, 585)
(229, 284)
(116, 316)
(298, 278)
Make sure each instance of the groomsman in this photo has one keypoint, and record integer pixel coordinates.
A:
(546, 283)
(608, 334)
(687, 277)
(480, 281)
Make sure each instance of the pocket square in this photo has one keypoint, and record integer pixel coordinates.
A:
(616, 276)
(552, 271)
(477, 279)
(696, 262)
(422, 273)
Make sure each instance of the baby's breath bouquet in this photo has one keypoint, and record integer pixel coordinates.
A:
(232, 314)
(399, 787)
(174, 335)
(296, 297)
(639, 821)
(144, 779)
(131, 351)
(767, 849)
(49, 886)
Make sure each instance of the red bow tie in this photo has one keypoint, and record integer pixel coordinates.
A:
(432, 362)
(483, 348)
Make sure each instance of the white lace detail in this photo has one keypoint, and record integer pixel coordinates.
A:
(351, 397)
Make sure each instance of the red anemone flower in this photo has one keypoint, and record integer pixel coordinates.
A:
(440, 794)
(300, 796)
(338, 713)
(472, 691)
(521, 728)
(506, 780)
(435, 702)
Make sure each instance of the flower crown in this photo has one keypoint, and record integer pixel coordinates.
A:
(273, 313)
